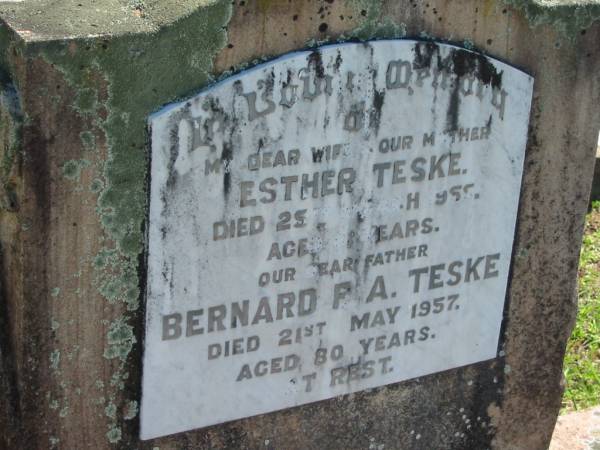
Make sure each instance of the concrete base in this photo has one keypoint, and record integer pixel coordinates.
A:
(577, 431)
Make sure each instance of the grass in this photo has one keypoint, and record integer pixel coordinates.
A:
(582, 361)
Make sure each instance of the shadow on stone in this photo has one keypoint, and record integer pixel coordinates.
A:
(595, 194)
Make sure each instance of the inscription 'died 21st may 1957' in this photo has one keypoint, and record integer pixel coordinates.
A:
(328, 222)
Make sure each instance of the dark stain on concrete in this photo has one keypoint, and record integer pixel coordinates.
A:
(460, 63)
(227, 157)
(316, 60)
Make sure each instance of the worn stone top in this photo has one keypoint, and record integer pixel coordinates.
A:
(41, 20)
(37, 20)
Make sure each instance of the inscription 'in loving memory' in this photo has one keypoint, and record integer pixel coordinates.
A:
(328, 222)
(314, 80)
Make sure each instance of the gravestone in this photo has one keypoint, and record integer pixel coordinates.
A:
(336, 224)
(326, 223)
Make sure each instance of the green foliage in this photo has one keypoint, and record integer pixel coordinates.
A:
(582, 361)
(568, 17)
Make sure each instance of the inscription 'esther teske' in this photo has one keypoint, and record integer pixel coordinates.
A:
(328, 222)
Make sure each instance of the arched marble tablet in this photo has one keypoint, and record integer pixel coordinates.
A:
(327, 222)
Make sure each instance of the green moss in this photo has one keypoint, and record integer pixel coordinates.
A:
(72, 168)
(124, 287)
(73, 353)
(10, 130)
(25, 224)
(55, 292)
(570, 18)
(114, 434)
(54, 359)
(111, 410)
(148, 82)
(373, 25)
(468, 44)
(96, 185)
(131, 411)
(64, 412)
(88, 140)
(86, 100)
(104, 258)
(118, 380)
(120, 340)
(10, 115)
(139, 73)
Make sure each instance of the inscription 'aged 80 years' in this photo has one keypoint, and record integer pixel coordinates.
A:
(328, 222)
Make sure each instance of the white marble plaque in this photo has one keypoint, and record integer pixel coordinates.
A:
(328, 222)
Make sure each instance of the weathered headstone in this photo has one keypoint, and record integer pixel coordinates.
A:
(336, 224)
